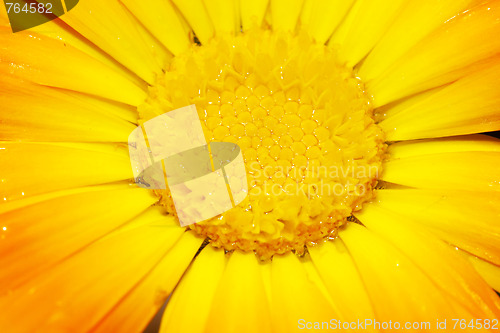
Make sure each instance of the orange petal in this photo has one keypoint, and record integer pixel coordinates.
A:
(136, 309)
(33, 168)
(69, 296)
(8, 206)
(57, 29)
(46, 61)
(36, 113)
(40, 235)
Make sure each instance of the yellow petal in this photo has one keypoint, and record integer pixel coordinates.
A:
(137, 308)
(325, 16)
(467, 106)
(240, 303)
(237, 16)
(446, 55)
(306, 12)
(285, 14)
(339, 35)
(98, 21)
(189, 307)
(154, 14)
(7, 206)
(394, 108)
(4, 19)
(37, 113)
(341, 277)
(399, 290)
(33, 168)
(466, 143)
(465, 219)
(445, 164)
(57, 29)
(161, 55)
(252, 13)
(417, 20)
(10, 83)
(363, 27)
(460, 171)
(50, 62)
(297, 292)
(40, 235)
(489, 272)
(69, 296)
(222, 13)
(196, 15)
(444, 266)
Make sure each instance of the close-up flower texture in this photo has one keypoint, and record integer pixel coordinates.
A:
(368, 134)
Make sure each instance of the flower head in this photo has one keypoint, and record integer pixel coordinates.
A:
(372, 198)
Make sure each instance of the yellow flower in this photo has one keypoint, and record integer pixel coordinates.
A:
(315, 93)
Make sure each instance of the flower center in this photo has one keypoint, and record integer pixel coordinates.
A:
(304, 125)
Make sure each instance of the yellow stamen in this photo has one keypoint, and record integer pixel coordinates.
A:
(305, 127)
